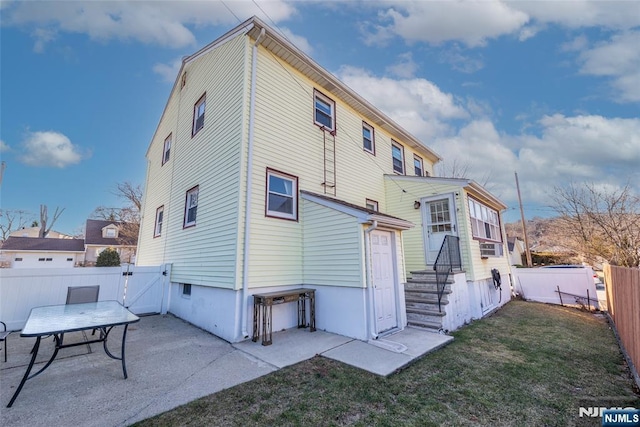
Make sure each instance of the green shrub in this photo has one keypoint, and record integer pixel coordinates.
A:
(108, 258)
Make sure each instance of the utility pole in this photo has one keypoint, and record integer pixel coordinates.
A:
(524, 225)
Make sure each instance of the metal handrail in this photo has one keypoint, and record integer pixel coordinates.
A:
(448, 258)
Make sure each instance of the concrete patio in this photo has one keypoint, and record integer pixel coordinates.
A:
(170, 363)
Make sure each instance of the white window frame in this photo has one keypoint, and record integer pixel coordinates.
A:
(371, 204)
(394, 144)
(319, 96)
(166, 152)
(157, 231)
(110, 230)
(191, 202)
(485, 222)
(294, 195)
(197, 113)
(418, 159)
(367, 126)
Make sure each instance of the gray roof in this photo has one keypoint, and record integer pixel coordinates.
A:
(93, 234)
(39, 244)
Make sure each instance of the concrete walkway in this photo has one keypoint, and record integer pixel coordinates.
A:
(170, 363)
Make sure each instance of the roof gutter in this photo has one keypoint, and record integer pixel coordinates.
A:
(247, 211)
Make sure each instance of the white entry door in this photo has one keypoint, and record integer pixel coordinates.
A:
(438, 220)
(383, 279)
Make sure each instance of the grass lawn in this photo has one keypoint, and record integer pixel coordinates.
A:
(529, 364)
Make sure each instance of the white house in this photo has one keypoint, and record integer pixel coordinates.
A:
(267, 173)
(35, 252)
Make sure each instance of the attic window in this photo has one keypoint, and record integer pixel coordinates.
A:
(198, 114)
(110, 232)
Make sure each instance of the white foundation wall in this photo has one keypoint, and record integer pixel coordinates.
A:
(339, 310)
(215, 310)
(473, 300)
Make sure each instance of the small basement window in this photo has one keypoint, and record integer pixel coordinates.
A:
(186, 289)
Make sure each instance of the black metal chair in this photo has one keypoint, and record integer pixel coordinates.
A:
(81, 295)
(3, 337)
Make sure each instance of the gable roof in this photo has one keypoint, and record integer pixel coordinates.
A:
(363, 214)
(93, 234)
(41, 244)
(282, 48)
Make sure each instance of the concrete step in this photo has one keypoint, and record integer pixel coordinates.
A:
(426, 293)
(427, 286)
(418, 313)
(421, 304)
(434, 326)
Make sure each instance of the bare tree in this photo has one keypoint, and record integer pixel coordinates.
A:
(12, 220)
(463, 170)
(599, 223)
(127, 216)
(44, 218)
(130, 192)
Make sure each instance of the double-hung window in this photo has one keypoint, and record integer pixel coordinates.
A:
(417, 165)
(397, 152)
(485, 226)
(167, 150)
(371, 204)
(282, 195)
(324, 111)
(191, 207)
(198, 114)
(159, 220)
(368, 138)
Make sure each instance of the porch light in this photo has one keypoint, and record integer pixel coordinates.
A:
(416, 205)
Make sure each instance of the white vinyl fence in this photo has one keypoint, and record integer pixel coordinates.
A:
(576, 285)
(142, 289)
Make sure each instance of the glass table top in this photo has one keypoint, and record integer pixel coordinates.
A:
(54, 319)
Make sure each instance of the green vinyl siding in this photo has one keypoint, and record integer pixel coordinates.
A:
(401, 204)
(205, 254)
(333, 251)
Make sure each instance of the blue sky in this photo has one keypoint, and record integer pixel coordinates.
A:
(548, 89)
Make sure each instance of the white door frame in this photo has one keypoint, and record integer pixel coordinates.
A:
(394, 262)
(426, 222)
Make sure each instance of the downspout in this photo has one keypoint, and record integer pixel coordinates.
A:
(247, 209)
(367, 255)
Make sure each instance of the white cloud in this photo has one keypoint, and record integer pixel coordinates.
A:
(417, 104)
(460, 62)
(614, 15)
(42, 36)
(578, 44)
(164, 23)
(583, 148)
(4, 147)
(618, 58)
(470, 22)
(404, 67)
(298, 41)
(49, 148)
(169, 71)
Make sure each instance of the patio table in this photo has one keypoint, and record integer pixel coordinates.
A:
(56, 320)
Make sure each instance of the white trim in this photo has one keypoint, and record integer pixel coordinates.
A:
(294, 195)
(361, 215)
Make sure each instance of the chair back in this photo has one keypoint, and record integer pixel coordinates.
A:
(82, 294)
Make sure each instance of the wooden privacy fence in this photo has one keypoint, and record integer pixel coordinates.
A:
(623, 300)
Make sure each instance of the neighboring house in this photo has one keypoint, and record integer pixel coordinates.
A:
(267, 173)
(35, 232)
(516, 251)
(35, 252)
(101, 234)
